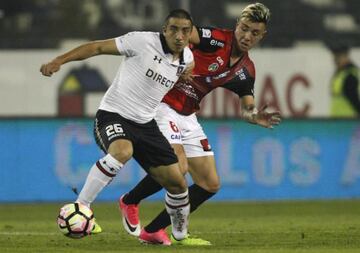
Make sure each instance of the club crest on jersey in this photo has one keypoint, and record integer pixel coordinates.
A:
(213, 67)
(180, 70)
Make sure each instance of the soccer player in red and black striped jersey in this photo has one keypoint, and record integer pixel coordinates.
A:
(221, 60)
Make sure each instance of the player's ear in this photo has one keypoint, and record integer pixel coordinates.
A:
(194, 36)
(264, 34)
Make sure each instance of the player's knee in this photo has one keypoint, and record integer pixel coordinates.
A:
(210, 183)
(214, 187)
(122, 155)
(180, 187)
(176, 186)
(176, 189)
(121, 150)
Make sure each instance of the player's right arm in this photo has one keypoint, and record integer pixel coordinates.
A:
(82, 52)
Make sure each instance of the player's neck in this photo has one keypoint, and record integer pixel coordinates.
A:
(235, 56)
(175, 56)
(236, 53)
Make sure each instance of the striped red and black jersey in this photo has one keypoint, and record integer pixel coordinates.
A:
(212, 70)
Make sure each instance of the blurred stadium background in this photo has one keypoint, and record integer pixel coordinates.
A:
(46, 144)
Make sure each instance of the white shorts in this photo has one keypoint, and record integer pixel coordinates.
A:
(184, 130)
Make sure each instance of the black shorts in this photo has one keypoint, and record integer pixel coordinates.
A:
(151, 148)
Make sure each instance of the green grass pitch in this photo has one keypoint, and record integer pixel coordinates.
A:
(261, 227)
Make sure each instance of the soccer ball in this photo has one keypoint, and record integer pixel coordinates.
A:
(75, 220)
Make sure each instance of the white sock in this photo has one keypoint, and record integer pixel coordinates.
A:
(100, 175)
(178, 207)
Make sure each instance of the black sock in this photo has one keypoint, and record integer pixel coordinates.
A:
(147, 187)
(197, 196)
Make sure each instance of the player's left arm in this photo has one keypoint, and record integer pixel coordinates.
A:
(260, 117)
(244, 88)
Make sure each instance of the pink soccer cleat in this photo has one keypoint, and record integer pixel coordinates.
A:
(130, 217)
(159, 237)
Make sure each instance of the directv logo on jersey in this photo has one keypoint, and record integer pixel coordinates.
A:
(159, 78)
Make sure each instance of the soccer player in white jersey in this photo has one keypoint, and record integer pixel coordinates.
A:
(124, 125)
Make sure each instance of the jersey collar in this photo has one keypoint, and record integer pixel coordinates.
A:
(167, 50)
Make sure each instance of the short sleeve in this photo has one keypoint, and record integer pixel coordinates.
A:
(242, 84)
(131, 43)
(211, 39)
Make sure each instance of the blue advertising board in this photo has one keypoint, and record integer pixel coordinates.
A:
(43, 159)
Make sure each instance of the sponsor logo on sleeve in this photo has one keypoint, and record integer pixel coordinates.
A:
(206, 33)
(240, 73)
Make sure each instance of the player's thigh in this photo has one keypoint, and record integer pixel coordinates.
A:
(152, 149)
(180, 153)
(113, 135)
(194, 139)
(170, 177)
(169, 122)
(203, 172)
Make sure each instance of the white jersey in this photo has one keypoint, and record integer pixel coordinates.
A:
(145, 75)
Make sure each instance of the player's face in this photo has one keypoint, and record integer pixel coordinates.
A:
(177, 33)
(248, 34)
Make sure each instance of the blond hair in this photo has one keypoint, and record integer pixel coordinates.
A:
(256, 12)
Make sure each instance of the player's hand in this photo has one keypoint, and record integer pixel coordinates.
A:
(267, 119)
(186, 75)
(49, 68)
